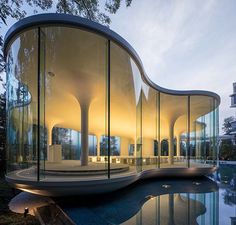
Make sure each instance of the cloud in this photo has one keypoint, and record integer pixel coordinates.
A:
(184, 44)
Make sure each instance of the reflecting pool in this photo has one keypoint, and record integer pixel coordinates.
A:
(207, 201)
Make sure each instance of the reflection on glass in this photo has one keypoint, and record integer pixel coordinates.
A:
(149, 127)
(204, 131)
(22, 104)
(125, 106)
(70, 142)
(173, 129)
(76, 95)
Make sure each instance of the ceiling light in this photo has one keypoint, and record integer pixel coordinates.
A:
(51, 74)
(166, 186)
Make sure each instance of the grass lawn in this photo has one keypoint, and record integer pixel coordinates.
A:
(6, 216)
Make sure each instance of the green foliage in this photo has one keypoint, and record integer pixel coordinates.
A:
(113, 146)
(2, 131)
(227, 124)
(164, 147)
(227, 150)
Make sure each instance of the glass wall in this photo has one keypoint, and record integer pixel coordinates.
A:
(76, 97)
(70, 142)
(125, 106)
(77, 100)
(203, 131)
(149, 128)
(22, 104)
(173, 128)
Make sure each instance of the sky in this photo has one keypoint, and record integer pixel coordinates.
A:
(184, 45)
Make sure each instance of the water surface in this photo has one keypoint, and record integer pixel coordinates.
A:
(161, 202)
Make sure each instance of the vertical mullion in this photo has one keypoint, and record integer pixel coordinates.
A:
(141, 130)
(188, 135)
(195, 140)
(214, 133)
(204, 135)
(108, 104)
(38, 125)
(159, 130)
(44, 100)
(156, 143)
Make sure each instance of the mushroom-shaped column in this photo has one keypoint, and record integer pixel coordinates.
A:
(171, 143)
(84, 133)
(49, 136)
(178, 139)
(98, 136)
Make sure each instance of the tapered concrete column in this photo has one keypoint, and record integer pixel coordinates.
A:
(171, 144)
(49, 135)
(159, 153)
(49, 138)
(84, 134)
(178, 139)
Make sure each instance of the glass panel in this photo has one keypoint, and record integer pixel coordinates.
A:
(42, 130)
(93, 146)
(22, 106)
(70, 142)
(125, 108)
(216, 135)
(149, 128)
(203, 131)
(215, 132)
(173, 129)
(75, 100)
(138, 158)
(209, 119)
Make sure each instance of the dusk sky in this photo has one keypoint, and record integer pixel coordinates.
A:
(183, 44)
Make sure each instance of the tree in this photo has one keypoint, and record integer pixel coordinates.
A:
(227, 150)
(104, 146)
(86, 8)
(164, 147)
(2, 131)
(114, 146)
(114, 151)
(227, 124)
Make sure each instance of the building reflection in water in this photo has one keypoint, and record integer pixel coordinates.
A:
(227, 179)
(178, 209)
(177, 202)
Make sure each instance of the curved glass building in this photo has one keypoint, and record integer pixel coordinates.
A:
(83, 116)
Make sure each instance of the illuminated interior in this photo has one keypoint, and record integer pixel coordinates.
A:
(78, 101)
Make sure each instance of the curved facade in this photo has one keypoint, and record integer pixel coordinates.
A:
(82, 115)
